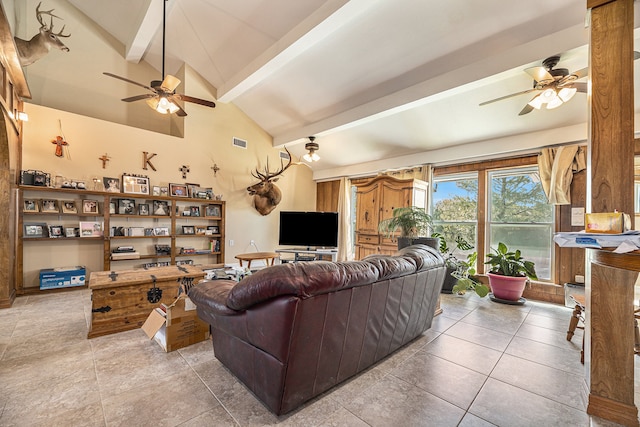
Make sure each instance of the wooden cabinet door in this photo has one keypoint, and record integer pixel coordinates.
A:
(367, 214)
(365, 250)
(393, 197)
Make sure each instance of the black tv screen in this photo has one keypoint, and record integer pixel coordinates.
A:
(317, 229)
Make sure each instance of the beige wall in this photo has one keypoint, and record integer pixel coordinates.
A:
(208, 137)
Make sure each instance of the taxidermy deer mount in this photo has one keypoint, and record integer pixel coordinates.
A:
(40, 44)
(266, 195)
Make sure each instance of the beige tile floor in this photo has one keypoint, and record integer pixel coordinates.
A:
(481, 364)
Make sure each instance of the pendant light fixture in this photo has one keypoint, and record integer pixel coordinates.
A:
(312, 147)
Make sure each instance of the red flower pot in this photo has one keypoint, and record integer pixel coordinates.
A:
(507, 287)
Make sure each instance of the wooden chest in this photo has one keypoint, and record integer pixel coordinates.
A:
(122, 300)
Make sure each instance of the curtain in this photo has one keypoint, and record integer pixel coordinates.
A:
(345, 245)
(557, 166)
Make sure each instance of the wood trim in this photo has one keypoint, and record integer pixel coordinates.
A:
(9, 58)
(597, 3)
(527, 160)
(481, 247)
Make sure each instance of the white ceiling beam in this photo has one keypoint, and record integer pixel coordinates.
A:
(324, 21)
(150, 23)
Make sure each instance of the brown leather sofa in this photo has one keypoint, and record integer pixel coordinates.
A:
(292, 331)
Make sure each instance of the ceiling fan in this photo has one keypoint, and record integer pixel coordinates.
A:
(163, 97)
(555, 86)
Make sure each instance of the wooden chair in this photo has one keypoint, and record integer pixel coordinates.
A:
(577, 322)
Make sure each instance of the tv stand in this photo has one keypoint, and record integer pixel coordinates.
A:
(308, 254)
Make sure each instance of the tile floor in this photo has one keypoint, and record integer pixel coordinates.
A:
(481, 364)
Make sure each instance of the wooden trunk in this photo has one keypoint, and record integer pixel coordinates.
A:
(120, 300)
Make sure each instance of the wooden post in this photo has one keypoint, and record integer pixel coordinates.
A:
(611, 277)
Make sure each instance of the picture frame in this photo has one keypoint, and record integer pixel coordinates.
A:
(112, 207)
(126, 206)
(90, 229)
(55, 231)
(143, 209)
(49, 206)
(188, 229)
(135, 184)
(90, 206)
(164, 191)
(192, 189)
(212, 211)
(214, 229)
(69, 207)
(178, 190)
(161, 231)
(156, 190)
(111, 185)
(33, 230)
(30, 205)
(160, 207)
(200, 230)
(194, 211)
(70, 232)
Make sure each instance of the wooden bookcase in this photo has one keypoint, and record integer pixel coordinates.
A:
(94, 252)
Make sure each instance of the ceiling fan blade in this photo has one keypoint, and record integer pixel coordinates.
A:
(139, 97)
(581, 86)
(174, 100)
(526, 110)
(196, 100)
(508, 96)
(539, 74)
(129, 81)
(636, 55)
(170, 83)
(581, 73)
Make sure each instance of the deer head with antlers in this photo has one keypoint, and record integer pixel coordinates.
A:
(266, 195)
(40, 44)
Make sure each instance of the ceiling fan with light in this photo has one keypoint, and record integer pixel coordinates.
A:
(163, 96)
(555, 86)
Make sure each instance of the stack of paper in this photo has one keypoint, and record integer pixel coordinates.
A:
(623, 242)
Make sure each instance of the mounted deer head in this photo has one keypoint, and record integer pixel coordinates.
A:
(266, 195)
(40, 44)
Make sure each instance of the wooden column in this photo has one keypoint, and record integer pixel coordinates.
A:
(611, 277)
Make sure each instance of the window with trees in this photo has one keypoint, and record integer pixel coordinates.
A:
(520, 216)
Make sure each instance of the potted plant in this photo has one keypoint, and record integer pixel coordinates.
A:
(453, 263)
(466, 279)
(509, 273)
(414, 224)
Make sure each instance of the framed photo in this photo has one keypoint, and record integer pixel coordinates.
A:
(90, 229)
(192, 189)
(55, 231)
(111, 185)
(164, 191)
(194, 210)
(178, 190)
(201, 230)
(156, 190)
(69, 207)
(143, 209)
(30, 205)
(70, 232)
(188, 229)
(126, 206)
(214, 229)
(50, 206)
(135, 184)
(89, 206)
(160, 207)
(161, 231)
(34, 229)
(112, 207)
(212, 210)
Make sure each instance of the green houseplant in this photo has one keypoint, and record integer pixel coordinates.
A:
(414, 224)
(509, 273)
(456, 268)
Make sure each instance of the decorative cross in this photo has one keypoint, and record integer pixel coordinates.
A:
(104, 159)
(60, 142)
(185, 170)
(215, 169)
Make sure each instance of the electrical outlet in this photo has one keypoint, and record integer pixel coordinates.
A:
(231, 242)
(252, 242)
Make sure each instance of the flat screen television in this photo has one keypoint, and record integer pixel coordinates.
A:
(309, 229)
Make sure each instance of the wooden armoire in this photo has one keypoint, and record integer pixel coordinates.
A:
(375, 200)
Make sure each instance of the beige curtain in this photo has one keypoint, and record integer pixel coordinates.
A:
(345, 245)
(557, 166)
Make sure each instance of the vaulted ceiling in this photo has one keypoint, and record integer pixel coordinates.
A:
(373, 80)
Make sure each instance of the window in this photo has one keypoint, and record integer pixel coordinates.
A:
(520, 216)
(454, 207)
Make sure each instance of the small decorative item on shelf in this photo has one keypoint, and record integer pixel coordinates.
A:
(35, 178)
(188, 229)
(55, 231)
(161, 231)
(163, 250)
(212, 210)
(178, 190)
(201, 231)
(156, 190)
(214, 229)
(34, 229)
(89, 206)
(160, 207)
(143, 209)
(90, 229)
(195, 210)
(126, 206)
(71, 232)
(69, 207)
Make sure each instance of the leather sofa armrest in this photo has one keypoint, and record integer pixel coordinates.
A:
(212, 295)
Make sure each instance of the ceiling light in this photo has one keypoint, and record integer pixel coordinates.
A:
(566, 93)
(554, 103)
(548, 95)
(162, 105)
(311, 156)
(536, 102)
